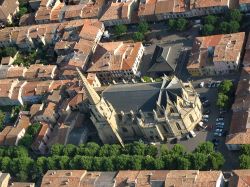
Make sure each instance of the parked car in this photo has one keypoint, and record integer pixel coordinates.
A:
(223, 111)
(218, 130)
(219, 127)
(205, 116)
(203, 98)
(192, 134)
(207, 112)
(213, 85)
(201, 85)
(219, 119)
(218, 84)
(205, 119)
(217, 134)
(209, 85)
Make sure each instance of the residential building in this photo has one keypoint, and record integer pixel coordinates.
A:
(16, 133)
(201, 7)
(8, 9)
(7, 87)
(244, 5)
(150, 178)
(63, 177)
(5, 181)
(239, 133)
(157, 10)
(116, 61)
(246, 59)
(216, 54)
(239, 178)
(40, 143)
(119, 13)
(155, 111)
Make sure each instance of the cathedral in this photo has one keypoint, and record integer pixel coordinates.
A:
(153, 112)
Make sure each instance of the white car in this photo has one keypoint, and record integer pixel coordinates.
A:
(192, 134)
(218, 130)
(205, 116)
(220, 123)
(201, 85)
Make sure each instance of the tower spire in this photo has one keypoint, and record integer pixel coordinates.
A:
(93, 97)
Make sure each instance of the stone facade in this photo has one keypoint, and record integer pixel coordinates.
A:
(160, 111)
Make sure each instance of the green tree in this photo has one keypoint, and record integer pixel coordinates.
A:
(138, 36)
(2, 118)
(207, 29)
(121, 162)
(9, 51)
(181, 24)
(182, 163)
(120, 30)
(5, 164)
(97, 164)
(34, 129)
(143, 27)
(198, 160)
(74, 162)
(234, 26)
(245, 149)
(107, 164)
(148, 162)
(215, 161)
(89, 149)
(169, 162)
(224, 27)
(26, 141)
(234, 15)
(178, 149)
(86, 162)
(135, 162)
(172, 24)
(109, 150)
(41, 165)
(22, 11)
(210, 20)
(63, 162)
(222, 100)
(56, 149)
(69, 150)
(136, 148)
(205, 148)
(226, 86)
(151, 150)
(244, 162)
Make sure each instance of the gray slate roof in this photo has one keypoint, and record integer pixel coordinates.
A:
(142, 96)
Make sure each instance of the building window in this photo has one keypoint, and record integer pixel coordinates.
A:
(178, 126)
(171, 110)
(191, 118)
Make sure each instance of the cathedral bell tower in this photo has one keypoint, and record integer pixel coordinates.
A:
(103, 115)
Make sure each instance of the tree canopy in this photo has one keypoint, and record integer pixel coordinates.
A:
(138, 36)
(120, 30)
(91, 156)
(143, 27)
(207, 29)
